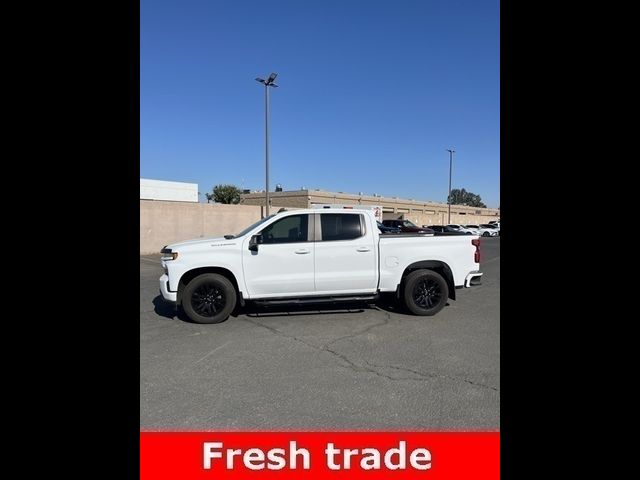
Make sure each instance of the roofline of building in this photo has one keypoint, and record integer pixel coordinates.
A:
(353, 196)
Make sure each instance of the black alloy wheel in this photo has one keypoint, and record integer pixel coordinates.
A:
(207, 300)
(427, 293)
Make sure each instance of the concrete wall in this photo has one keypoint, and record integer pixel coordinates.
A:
(163, 222)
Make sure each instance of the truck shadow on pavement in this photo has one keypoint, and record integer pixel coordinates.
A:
(387, 304)
(162, 308)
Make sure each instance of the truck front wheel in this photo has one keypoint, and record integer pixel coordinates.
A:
(209, 298)
(425, 292)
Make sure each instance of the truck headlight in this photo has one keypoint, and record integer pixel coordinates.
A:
(168, 254)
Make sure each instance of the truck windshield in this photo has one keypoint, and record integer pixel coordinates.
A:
(251, 227)
(408, 223)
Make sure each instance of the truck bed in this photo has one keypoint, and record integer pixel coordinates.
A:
(397, 251)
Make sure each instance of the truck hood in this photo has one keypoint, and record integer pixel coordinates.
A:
(211, 241)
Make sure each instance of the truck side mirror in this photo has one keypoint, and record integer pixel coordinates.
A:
(254, 242)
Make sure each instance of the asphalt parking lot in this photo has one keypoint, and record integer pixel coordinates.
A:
(347, 368)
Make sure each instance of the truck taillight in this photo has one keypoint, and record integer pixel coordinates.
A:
(476, 256)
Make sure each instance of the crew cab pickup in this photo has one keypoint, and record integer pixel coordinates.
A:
(315, 256)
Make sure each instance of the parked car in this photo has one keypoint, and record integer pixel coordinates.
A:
(385, 229)
(459, 228)
(316, 256)
(406, 226)
(444, 229)
(475, 229)
(487, 230)
(495, 225)
(491, 226)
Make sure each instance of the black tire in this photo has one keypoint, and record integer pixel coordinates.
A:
(486, 234)
(209, 298)
(425, 292)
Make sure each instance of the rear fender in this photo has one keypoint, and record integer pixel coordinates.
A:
(435, 265)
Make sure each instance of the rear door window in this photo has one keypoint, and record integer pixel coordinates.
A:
(340, 226)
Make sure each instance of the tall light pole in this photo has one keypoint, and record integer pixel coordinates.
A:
(267, 83)
(451, 152)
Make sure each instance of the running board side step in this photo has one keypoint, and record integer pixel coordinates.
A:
(314, 300)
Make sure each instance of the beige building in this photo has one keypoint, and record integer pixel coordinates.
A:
(419, 212)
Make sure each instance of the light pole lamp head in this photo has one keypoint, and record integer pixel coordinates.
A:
(269, 82)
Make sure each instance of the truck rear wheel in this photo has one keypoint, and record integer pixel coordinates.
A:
(209, 298)
(425, 292)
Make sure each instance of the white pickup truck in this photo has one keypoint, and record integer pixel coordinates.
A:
(315, 256)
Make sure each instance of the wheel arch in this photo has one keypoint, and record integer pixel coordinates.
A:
(437, 266)
(193, 273)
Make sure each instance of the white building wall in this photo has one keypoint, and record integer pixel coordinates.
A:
(171, 191)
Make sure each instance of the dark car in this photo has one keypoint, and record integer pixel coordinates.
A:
(444, 229)
(406, 226)
(385, 229)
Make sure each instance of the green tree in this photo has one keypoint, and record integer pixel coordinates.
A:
(224, 194)
(462, 197)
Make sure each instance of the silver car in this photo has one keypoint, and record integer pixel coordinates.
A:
(489, 230)
(460, 228)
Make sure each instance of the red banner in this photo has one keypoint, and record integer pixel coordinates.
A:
(330, 455)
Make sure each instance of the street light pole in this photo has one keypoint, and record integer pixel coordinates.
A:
(266, 148)
(267, 83)
(451, 152)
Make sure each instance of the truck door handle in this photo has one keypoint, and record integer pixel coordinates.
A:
(302, 251)
(363, 249)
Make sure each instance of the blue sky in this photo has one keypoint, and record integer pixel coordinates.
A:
(371, 94)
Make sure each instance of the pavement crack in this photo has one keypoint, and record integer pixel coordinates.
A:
(367, 329)
(280, 333)
(369, 367)
(351, 365)
(211, 352)
(426, 376)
